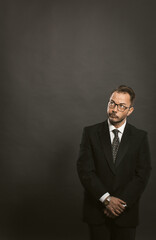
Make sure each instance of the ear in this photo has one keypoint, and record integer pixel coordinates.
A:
(130, 111)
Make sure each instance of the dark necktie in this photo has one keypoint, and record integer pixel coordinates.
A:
(115, 144)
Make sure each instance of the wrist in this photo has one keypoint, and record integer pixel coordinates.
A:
(107, 201)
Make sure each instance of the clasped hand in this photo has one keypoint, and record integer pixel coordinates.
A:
(115, 207)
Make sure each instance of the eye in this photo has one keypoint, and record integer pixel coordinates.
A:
(111, 103)
(122, 106)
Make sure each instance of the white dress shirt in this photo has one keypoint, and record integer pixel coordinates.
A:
(120, 133)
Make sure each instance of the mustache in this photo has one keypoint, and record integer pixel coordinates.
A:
(113, 115)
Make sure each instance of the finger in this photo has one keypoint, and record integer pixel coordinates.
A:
(118, 207)
(122, 202)
(118, 211)
(121, 206)
(113, 211)
(108, 213)
(116, 204)
(105, 211)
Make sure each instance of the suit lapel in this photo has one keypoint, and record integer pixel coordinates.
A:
(104, 136)
(123, 147)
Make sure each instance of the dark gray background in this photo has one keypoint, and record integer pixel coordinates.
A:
(59, 62)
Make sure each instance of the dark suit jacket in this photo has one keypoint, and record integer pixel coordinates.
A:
(126, 179)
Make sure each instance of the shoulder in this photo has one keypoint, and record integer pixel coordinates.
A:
(136, 131)
(95, 127)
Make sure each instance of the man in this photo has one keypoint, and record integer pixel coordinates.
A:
(114, 167)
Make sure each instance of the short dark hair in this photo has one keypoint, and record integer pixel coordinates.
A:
(125, 89)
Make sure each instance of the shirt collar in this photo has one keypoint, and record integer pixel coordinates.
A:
(121, 129)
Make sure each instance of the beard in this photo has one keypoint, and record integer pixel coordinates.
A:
(114, 119)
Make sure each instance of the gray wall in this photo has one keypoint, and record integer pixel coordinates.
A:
(59, 62)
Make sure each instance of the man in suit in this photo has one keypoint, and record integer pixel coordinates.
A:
(114, 168)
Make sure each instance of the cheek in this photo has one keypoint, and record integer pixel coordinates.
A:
(108, 110)
(122, 115)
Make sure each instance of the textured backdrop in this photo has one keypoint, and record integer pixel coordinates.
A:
(59, 62)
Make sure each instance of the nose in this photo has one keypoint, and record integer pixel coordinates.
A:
(115, 108)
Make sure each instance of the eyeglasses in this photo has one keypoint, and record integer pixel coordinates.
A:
(120, 107)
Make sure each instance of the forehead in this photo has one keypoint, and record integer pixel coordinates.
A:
(120, 98)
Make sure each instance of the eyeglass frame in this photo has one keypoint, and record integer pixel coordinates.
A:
(115, 104)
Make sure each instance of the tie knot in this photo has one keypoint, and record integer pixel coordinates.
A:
(115, 131)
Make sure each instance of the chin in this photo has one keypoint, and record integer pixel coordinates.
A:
(113, 121)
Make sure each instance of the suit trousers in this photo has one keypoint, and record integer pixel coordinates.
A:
(110, 231)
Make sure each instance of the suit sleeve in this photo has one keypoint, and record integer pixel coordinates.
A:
(139, 181)
(86, 169)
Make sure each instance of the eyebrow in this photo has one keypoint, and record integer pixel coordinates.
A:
(119, 103)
